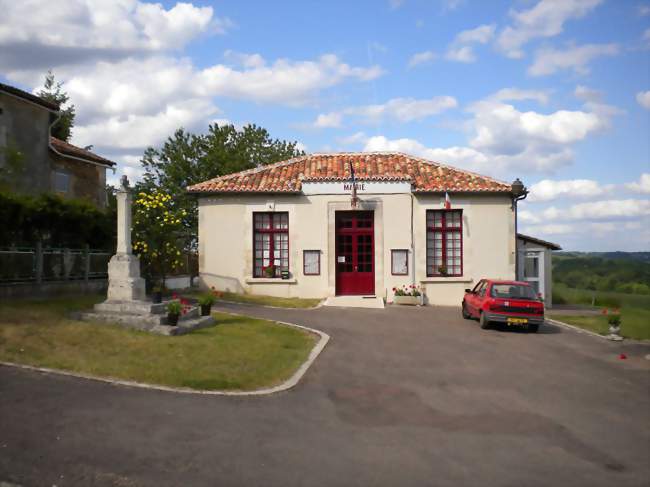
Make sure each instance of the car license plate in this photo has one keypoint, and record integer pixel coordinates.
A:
(517, 320)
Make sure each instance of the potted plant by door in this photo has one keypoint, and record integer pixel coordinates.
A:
(205, 302)
(614, 322)
(407, 295)
(173, 312)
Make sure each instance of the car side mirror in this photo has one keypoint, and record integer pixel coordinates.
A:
(468, 291)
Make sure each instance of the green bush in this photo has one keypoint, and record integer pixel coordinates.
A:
(55, 221)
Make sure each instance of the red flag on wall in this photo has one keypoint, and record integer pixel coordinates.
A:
(447, 201)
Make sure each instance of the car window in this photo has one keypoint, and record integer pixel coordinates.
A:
(512, 291)
(478, 286)
(481, 292)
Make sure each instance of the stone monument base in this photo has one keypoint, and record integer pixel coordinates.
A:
(125, 283)
(146, 316)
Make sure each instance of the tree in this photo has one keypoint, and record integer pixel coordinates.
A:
(53, 92)
(186, 159)
(157, 233)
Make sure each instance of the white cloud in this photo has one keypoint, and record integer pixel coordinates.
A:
(549, 60)
(549, 189)
(503, 139)
(461, 49)
(461, 54)
(421, 58)
(481, 35)
(599, 210)
(545, 19)
(646, 35)
(642, 185)
(644, 10)
(395, 4)
(399, 109)
(643, 98)
(328, 120)
(134, 103)
(587, 94)
(284, 81)
(356, 138)
(73, 30)
(516, 94)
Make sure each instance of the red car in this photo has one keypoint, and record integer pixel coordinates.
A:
(510, 302)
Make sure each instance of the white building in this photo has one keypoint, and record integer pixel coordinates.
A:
(293, 229)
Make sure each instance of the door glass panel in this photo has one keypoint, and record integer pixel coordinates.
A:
(364, 253)
(344, 253)
(531, 267)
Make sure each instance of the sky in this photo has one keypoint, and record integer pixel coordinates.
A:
(554, 92)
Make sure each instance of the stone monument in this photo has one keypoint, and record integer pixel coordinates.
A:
(126, 302)
(124, 281)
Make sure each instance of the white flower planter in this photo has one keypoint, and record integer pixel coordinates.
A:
(408, 300)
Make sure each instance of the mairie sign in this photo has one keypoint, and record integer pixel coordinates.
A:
(362, 187)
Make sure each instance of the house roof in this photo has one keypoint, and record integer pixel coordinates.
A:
(288, 176)
(66, 149)
(12, 90)
(539, 241)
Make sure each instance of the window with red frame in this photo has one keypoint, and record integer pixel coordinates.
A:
(444, 242)
(270, 244)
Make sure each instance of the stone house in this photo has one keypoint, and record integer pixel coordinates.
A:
(46, 164)
(297, 229)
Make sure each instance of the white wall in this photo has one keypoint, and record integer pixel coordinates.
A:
(225, 242)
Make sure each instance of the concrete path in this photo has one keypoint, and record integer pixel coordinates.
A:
(400, 397)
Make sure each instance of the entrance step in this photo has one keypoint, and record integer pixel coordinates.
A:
(355, 301)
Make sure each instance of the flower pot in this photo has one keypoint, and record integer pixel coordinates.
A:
(172, 319)
(408, 300)
(205, 309)
(157, 297)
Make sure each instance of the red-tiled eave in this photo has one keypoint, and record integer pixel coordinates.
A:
(66, 149)
(288, 176)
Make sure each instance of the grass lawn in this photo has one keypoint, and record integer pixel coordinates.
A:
(635, 323)
(240, 353)
(271, 300)
(635, 310)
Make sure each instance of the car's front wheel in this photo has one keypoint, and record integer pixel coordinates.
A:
(485, 324)
(466, 314)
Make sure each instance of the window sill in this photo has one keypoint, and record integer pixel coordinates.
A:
(269, 280)
(447, 279)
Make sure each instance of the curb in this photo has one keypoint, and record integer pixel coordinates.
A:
(578, 329)
(286, 385)
(319, 305)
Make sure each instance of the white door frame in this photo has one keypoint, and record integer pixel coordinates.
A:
(533, 253)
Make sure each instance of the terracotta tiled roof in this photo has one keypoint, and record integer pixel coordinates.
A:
(12, 90)
(287, 176)
(72, 150)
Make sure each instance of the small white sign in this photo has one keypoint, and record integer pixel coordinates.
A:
(363, 187)
(341, 258)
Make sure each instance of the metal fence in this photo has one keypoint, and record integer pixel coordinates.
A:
(42, 265)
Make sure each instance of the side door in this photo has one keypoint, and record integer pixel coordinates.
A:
(472, 300)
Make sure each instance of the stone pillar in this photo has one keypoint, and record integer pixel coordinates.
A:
(124, 281)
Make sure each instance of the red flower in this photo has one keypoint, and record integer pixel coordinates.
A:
(604, 311)
(174, 295)
(622, 356)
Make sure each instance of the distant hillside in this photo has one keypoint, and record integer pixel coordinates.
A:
(625, 272)
(634, 256)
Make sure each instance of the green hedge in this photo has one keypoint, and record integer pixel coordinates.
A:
(55, 221)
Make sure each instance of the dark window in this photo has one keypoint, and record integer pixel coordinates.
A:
(270, 244)
(311, 262)
(512, 291)
(444, 243)
(399, 262)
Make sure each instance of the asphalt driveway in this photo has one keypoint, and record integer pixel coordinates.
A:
(400, 397)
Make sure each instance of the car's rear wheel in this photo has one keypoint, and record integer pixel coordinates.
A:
(485, 324)
(533, 328)
(466, 314)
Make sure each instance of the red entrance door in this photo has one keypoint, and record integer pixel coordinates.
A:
(355, 252)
